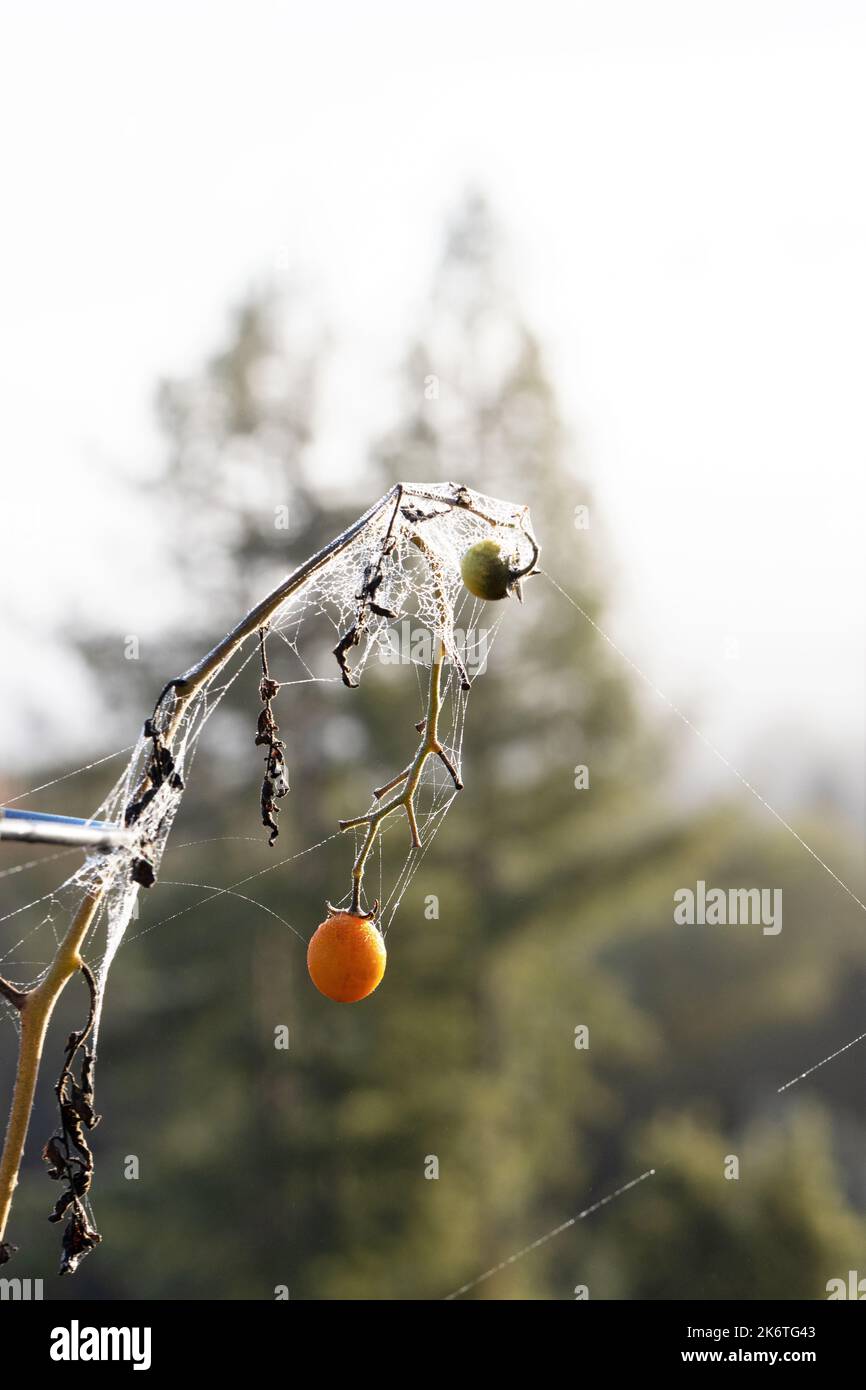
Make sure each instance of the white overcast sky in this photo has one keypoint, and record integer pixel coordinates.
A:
(683, 187)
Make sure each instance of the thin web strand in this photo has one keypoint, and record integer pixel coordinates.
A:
(707, 742)
(549, 1235)
(832, 1057)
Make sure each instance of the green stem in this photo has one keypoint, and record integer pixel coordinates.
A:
(410, 777)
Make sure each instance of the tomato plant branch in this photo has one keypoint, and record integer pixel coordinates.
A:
(410, 777)
(36, 1006)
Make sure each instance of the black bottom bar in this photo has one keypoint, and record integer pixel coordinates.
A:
(226, 1339)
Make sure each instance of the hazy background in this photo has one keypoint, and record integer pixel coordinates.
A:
(628, 240)
(680, 187)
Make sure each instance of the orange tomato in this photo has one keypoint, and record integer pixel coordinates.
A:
(346, 957)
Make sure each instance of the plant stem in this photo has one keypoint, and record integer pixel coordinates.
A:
(188, 685)
(36, 1010)
(410, 776)
(38, 1004)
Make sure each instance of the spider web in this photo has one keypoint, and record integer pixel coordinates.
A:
(415, 545)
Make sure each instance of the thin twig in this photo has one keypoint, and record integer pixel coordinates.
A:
(410, 777)
(36, 1014)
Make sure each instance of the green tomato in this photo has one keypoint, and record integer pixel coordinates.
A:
(485, 570)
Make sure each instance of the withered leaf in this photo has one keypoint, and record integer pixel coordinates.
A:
(78, 1240)
(55, 1157)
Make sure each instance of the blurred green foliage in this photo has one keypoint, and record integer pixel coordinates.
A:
(305, 1167)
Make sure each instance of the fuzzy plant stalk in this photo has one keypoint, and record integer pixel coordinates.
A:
(35, 1008)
